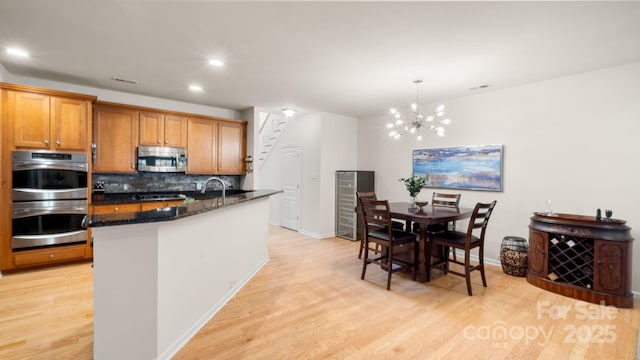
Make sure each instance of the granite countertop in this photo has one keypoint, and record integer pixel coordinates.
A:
(202, 203)
(134, 197)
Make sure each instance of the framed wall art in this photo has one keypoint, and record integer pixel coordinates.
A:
(468, 168)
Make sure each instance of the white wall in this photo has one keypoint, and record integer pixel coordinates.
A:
(126, 98)
(572, 139)
(327, 143)
(339, 152)
(4, 74)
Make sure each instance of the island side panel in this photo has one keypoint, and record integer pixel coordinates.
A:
(125, 291)
(203, 261)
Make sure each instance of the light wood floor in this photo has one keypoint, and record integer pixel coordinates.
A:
(308, 302)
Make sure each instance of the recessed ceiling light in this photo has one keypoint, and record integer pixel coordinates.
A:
(288, 112)
(18, 52)
(195, 87)
(216, 62)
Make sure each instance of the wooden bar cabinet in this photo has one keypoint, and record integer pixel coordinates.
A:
(581, 257)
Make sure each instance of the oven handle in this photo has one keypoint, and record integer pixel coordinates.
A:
(36, 165)
(27, 241)
(23, 213)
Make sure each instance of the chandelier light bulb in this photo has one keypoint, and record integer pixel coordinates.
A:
(414, 107)
(398, 122)
(389, 125)
(446, 121)
(397, 116)
(440, 108)
(397, 136)
(430, 118)
(392, 133)
(440, 113)
(393, 111)
(419, 137)
(412, 130)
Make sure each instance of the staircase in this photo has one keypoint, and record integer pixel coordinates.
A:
(271, 127)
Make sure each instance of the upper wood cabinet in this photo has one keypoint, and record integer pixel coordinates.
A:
(115, 134)
(202, 146)
(157, 129)
(48, 122)
(231, 147)
(216, 146)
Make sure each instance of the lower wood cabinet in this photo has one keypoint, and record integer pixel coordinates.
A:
(146, 206)
(49, 255)
(115, 208)
(133, 207)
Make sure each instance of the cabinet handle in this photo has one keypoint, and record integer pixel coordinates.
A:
(94, 152)
(599, 263)
(57, 142)
(46, 141)
(166, 141)
(51, 256)
(159, 142)
(115, 209)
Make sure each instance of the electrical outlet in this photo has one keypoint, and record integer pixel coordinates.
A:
(198, 185)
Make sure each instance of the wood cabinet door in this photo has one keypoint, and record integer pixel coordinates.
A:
(231, 147)
(611, 267)
(115, 133)
(151, 128)
(202, 135)
(31, 115)
(538, 242)
(175, 131)
(70, 122)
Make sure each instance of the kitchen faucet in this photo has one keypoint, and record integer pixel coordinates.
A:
(204, 186)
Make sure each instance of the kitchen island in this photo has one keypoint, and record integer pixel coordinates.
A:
(160, 275)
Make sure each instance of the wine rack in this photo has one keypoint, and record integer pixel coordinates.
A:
(347, 184)
(571, 260)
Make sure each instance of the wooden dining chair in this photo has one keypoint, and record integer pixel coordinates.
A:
(379, 231)
(446, 201)
(465, 241)
(370, 196)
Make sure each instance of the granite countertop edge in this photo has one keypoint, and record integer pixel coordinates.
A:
(175, 212)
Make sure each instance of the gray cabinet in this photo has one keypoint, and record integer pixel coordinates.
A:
(348, 223)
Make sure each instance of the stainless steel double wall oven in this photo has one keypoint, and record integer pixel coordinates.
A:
(49, 198)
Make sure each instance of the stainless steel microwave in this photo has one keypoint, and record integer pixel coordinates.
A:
(162, 159)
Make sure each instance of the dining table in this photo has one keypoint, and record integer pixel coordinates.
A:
(424, 216)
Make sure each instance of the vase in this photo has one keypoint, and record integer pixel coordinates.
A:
(412, 202)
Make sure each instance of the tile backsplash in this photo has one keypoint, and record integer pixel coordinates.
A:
(145, 182)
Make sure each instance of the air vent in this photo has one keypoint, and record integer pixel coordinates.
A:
(483, 86)
(124, 80)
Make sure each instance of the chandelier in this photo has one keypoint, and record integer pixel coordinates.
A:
(417, 122)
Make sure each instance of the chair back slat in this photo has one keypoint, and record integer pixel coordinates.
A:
(445, 200)
(369, 195)
(480, 218)
(376, 214)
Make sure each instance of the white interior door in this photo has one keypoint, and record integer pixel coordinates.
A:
(290, 187)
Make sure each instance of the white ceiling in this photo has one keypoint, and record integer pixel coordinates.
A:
(351, 58)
